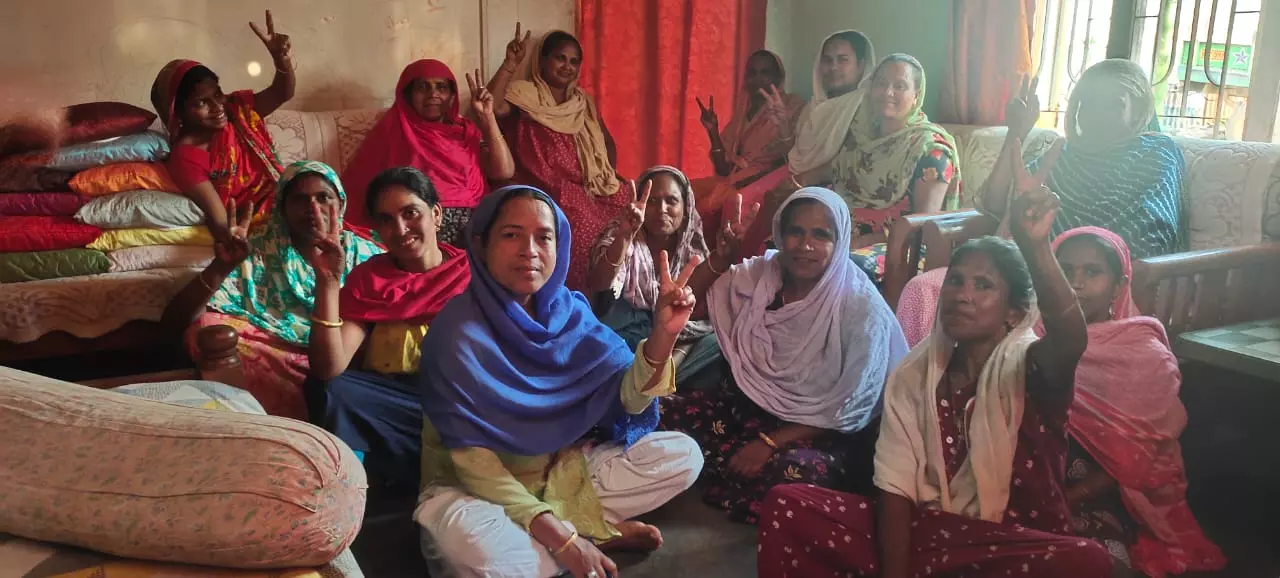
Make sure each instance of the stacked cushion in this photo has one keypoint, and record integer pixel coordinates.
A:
(159, 257)
(41, 204)
(138, 209)
(44, 234)
(34, 266)
(116, 239)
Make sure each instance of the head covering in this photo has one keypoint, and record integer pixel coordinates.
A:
(755, 142)
(379, 291)
(577, 116)
(821, 361)
(447, 151)
(909, 460)
(274, 288)
(825, 123)
(877, 172)
(637, 280)
(1132, 432)
(519, 383)
(1128, 75)
(164, 92)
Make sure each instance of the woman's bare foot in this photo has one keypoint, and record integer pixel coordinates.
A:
(636, 537)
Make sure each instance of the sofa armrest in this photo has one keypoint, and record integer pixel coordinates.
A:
(216, 356)
(910, 239)
(942, 236)
(1209, 288)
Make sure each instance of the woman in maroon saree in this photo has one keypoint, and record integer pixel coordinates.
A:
(973, 440)
(559, 141)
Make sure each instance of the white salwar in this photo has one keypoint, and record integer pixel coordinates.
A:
(474, 538)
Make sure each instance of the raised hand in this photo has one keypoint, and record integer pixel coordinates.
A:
(326, 255)
(1024, 180)
(234, 248)
(277, 44)
(709, 120)
(675, 297)
(774, 105)
(481, 98)
(1034, 206)
(633, 218)
(1023, 109)
(517, 49)
(735, 227)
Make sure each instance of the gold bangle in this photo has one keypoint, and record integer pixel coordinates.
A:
(206, 284)
(622, 259)
(567, 543)
(326, 322)
(712, 268)
(768, 440)
(651, 362)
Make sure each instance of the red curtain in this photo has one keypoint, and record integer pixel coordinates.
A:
(990, 50)
(645, 61)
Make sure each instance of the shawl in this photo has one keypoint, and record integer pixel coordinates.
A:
(577, 116)
(637, 280)
(1127, 415)
(754, 146)
(274, 289)
(518, 383)
(821, 361)
(876, 172)
(446, 151)
(909, 460)
(378, 290)
(242, 155)
(825, 123)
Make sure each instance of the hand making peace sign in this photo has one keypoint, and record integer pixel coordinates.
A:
(326, 256)
(277, 44)
(774, 105)
(735, 227)
(675, 297)
(1034, 206)
(1023, 109)
(709, 120)
(481, 98)
(517, 49)
(633, 218)
(235, 247)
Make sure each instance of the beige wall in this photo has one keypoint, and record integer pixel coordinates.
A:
(920, 28)
(349, 53)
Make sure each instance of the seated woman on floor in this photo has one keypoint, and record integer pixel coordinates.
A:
(539, 445)
(756, 140)
(895, 161)
(624, 278)
(974, 436)
(559, 140)
(809, 344)
(1125, 482)
(221, 148)
(261, 285)
(381, 311)
(424, 130)
(1115, 171)
(840, 82)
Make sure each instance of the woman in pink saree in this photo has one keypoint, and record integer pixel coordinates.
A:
(1125, 480)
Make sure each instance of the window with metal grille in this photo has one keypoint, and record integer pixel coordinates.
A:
(1214, 64)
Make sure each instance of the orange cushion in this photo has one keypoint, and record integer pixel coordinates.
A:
(118, 178)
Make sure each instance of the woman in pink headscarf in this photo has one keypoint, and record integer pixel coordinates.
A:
(1125, 481)
(423, 130)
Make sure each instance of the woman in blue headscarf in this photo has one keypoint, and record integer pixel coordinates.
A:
(530, 405)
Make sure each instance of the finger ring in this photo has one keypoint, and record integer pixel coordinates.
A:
(593, 574)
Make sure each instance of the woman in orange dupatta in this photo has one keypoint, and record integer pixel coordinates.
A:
(1125, 480)
(559, 141)
(221, 148)
(756, 140)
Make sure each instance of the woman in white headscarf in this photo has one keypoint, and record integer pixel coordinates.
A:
(840, 81)
(809, 343)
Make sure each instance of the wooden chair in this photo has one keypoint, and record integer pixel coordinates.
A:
(929, 239)
(216, 360)
(1209, 288)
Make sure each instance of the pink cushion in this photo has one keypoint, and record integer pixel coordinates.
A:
(41, 204)
(149, 480)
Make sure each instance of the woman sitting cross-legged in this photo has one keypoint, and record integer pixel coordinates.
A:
(539, 443)
(381, 311)
(624, 278)
(809, 343)
(1126, 484)
(261, 285)
(974, 436)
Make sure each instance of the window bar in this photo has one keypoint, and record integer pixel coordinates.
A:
(1071, 44)
(1191, 49)
(1173, 48)
(1222, 78)
(1054, 77)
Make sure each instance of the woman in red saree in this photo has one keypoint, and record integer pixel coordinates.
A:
(756, 140)
(973, 439)
(221, 148)
(423, 130)
(560, 142)
(1125, 482)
